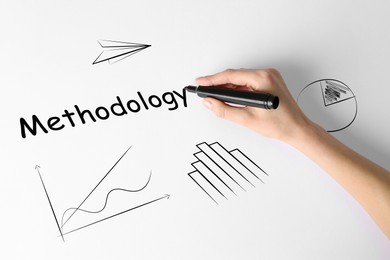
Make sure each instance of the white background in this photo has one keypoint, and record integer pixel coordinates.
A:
(299, 213)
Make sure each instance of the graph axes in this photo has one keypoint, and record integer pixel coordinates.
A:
(51, 205)
(117, 214)
(60, 227)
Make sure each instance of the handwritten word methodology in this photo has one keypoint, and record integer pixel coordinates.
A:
(119, 108)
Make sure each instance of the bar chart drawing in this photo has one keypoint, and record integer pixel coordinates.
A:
(222, 174)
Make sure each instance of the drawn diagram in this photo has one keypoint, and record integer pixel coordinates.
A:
(114, 51)
(330, 103)
(70, 212)
(221, 173)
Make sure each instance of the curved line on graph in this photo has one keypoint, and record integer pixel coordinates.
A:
(105, 203)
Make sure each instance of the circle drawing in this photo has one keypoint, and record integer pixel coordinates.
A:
(329, 103)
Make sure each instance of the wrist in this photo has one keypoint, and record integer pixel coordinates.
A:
(306, 135)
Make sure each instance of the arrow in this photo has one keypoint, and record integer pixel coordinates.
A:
(114, 51)
(117, 214)
(37, 167)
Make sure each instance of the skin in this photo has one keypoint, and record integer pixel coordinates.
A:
(367, 182)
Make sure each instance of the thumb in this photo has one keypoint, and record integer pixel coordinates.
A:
(220, 109)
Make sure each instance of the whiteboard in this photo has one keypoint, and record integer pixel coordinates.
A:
(151, 169)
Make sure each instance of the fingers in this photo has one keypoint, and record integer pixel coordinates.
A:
(254, 79)
(220, 109)
(235, 77)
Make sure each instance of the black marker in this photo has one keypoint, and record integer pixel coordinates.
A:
(240, 97)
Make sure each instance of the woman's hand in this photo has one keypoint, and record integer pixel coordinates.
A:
(284, 123)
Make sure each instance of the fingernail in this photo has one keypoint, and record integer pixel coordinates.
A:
(207, 104)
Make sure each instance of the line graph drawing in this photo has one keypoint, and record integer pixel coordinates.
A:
(221, 173)
(330, 103)
(114, 51)
(73, 210)
(105, 202)
(97, 185)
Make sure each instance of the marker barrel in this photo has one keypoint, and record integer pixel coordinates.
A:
(240, 97)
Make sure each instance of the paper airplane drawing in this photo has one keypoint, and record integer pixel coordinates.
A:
(114, 51)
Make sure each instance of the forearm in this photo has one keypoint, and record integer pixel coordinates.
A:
(367, 182)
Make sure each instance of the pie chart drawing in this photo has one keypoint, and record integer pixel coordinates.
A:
(329, 103)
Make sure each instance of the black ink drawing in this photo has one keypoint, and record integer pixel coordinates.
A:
(168, 100)
(73, 210)
(51, 206)
(114, 51)
(221, 173)
(330, 103)
(105, 202)
(334, 92)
